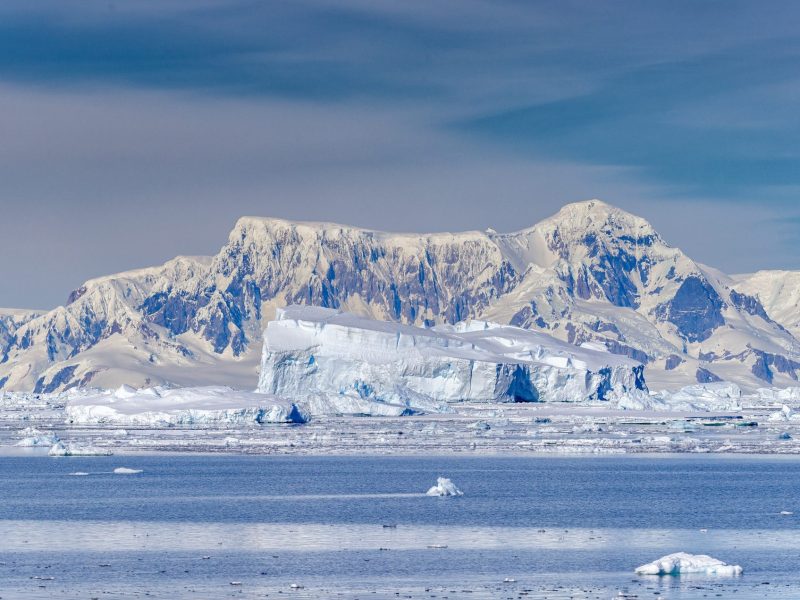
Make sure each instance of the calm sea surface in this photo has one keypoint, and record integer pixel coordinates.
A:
(193, 526)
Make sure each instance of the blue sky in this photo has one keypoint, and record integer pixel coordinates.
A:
(135, 131)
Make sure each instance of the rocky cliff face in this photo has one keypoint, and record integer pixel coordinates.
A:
(589, 273)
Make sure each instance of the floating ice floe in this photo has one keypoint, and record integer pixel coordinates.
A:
(682, 562)
(444, 487)
(163, 407)
(126, 471)
(61, 449)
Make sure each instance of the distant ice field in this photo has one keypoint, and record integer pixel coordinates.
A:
(190, 526)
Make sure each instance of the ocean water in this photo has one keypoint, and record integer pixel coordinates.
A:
(191, 526)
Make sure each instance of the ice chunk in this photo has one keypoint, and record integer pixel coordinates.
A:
(35, 438)
(706, 397)
(783, 415)
(444, 487)
(126, 471)
(682, 562)
(61, 449)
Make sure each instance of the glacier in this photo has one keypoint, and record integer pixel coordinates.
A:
(325, 356)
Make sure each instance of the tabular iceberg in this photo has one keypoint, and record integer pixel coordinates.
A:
(338, 360)
(682, 562)
(182, 406)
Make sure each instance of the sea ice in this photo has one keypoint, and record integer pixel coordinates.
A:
(444, 487)
(682, 562)
(126, 471)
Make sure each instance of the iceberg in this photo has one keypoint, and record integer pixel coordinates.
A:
(335, 362)
(34, 438)
(706, 397)
(682, 562)
(444, 487)
(126, 471)
(61, 449)
(164, 407)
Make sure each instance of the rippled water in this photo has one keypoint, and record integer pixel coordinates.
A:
(191, 526)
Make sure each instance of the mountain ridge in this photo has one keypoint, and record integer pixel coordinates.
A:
(590, 273)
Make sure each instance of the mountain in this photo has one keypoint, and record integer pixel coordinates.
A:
(592, 272)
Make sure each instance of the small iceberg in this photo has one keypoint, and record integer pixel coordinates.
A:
(35, 438)
(682, 562)
(126, 471)
(444, 487)
(61, 449)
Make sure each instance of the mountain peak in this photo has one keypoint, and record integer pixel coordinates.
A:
(597, 219)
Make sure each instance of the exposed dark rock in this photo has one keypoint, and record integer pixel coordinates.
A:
(706, 376)
(672, 362)
(696, 310)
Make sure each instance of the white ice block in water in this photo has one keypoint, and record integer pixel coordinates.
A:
(682, 562)
(126, 471)
(34, 437)
(61, 449)
(343, 363)
(444, 487)
(163, 407)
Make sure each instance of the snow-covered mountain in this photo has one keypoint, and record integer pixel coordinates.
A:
(591, 272)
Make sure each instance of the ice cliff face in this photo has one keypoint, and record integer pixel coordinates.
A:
(325, 357)
(591, 273)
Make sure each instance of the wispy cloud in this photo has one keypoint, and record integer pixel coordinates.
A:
(415, 115)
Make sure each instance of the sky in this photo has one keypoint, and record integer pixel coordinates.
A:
(131, 132)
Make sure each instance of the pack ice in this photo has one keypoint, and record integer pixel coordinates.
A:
(682, 562)
(181, 406)
(333, 360)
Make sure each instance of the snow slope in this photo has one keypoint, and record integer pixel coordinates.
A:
(778, 292)
(590, 273)
(312, 352)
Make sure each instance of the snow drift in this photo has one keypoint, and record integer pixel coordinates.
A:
(326, 357)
